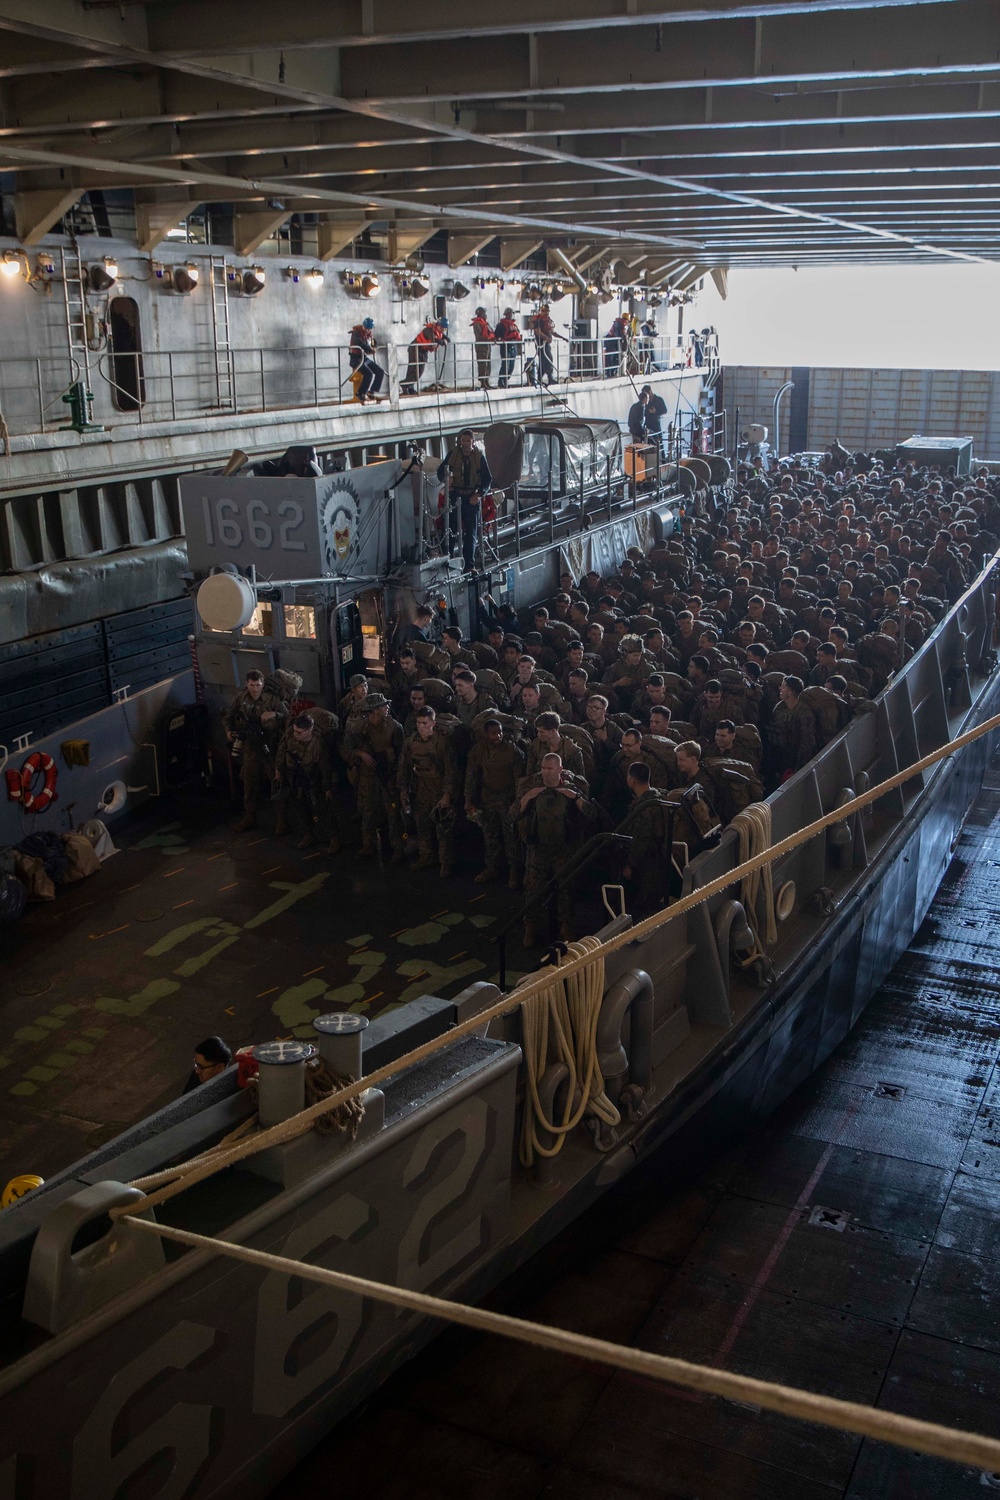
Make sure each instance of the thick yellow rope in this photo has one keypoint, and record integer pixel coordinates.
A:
(176, 1179)
(753, 828)
(572, 1007)
(845, 1416)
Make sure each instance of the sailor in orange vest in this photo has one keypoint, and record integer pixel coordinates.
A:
(508, 336)
(482, 332)
(614, 344)
(544, 331)
(361, 355)
(433, 335)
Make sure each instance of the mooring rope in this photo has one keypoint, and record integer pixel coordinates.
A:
(753, 829)
(960, 1447)
(572, 1009)
(176, 1179)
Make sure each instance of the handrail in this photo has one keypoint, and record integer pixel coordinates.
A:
(172, 384)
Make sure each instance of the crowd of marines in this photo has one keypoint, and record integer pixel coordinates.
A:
(657, 702)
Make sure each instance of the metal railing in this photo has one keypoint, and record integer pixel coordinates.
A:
(173, 385)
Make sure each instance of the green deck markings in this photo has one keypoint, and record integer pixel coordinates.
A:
(23, 1089)
(51, 1023)
(367, 964)
(177, 935)
(42, 1075)
(30, 1034)
(81, 1048)
(345, 994)
(60, 1060)
(65, 1010)
(359, 942)
(164, 839)
(419, 937)
(291, 1006)
(198, 961)
(294, 891)
(482, 921)
(95, 1031)
(141, 1001)
(434, 976)
(4, 1061)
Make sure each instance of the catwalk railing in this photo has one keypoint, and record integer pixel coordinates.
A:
(177, 384)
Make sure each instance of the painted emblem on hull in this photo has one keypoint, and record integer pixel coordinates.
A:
(340, 514)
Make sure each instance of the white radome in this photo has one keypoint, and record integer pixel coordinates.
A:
(226, 601)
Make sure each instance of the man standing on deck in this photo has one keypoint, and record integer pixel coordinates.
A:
(372, 743)
(468, 477)
(647, 824)
(482, 333)
(433, 335)
(508, 336)
(254, 722)
(553, 816)
(495, 766)
(428, 782)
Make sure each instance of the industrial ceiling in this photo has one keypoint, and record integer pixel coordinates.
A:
(686, 137)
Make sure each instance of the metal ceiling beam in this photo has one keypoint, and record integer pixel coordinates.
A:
(312, 81)
(204, 29)
(281, 189)
(812, 48)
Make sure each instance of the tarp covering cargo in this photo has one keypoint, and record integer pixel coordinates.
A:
(560, 454)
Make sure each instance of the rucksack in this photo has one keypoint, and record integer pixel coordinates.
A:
(826, 710)
(735, 785)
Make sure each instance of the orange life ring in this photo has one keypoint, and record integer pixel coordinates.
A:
(39, 761)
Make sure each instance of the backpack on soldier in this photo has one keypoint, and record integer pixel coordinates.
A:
(490, 681)
(747, 744)
(581, 737)
(696, 822)
(735, 784)
(826, 710)
(431, 656)
(664, 751)
(438, 694)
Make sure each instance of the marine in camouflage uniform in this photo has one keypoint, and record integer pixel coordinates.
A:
(494, 768)
(554, 816)
(428, 782)
(372, 745)
(648, 823)
(303, 768)
(256, 718)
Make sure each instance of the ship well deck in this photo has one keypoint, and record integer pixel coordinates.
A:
(194, 930)
(846, 1247)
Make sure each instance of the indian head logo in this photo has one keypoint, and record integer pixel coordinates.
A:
(339, 514)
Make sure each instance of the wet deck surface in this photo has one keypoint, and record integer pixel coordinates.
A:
(847, 1247)
(195, 930)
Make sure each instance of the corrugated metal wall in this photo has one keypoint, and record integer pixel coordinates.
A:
(875, 408)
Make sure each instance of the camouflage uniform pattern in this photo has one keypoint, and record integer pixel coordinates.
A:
(491, 779)
(259, 741)
(428, 771)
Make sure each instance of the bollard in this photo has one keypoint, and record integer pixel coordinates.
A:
(281, 1081)
(340, 1035)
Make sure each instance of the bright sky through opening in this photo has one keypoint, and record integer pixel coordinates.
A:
(943, 317)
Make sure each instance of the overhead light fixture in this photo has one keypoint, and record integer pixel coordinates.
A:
(314, 278)
(45, 266)
(253, 280)
(186, 278)
(14, 263)
(653, 302)
(104, 274)
(419, 286)
(370, 286)
(460, 290)
(556, 293)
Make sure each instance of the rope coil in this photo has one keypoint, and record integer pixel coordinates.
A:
(559, 1025)
(753, 827)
